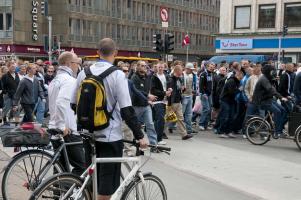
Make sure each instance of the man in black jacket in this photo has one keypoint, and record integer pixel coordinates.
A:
(29, 90)
(227, 103)
(143, 110)
(206, 88)
(264, 94)
(297, 87)
(10, 82)
(286, 85)
(159, 89)
(174, 100)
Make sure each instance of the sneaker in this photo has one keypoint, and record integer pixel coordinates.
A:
(162, 142)
(223, 136)
(170, 130)
(232, 135)
(244, 136)
(202, 128)
(186, 137)
(209, 128)
(193, 123)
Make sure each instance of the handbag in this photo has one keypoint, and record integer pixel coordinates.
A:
(28, 134)
(170, 115)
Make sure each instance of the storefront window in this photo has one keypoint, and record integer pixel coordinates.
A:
(292, 15)
(8, 21)
(267, 16)
(242, 17)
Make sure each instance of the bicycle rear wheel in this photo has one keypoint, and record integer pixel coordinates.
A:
(258, 131)
(58, 186)
(154, 189)
(21, 175)
(298, 137)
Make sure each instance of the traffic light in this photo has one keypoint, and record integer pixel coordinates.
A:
(44, 7)
(158, 42)
(284, 31)
(169, 42)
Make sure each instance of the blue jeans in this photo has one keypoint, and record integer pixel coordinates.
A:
(187, 112)
(40, 110)
(144, 114)
(206, 111)
(226, 116)
(280, 115)
(159, 110)
(8, 104)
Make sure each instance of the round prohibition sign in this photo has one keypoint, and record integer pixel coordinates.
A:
(164, 14)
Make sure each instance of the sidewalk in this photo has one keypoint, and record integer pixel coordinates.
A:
(3, 161)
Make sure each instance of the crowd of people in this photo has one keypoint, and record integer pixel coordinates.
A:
(205, 96)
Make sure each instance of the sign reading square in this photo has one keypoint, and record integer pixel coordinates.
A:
(236, 43)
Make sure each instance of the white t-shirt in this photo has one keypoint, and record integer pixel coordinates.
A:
(163, 81)
(117, 90)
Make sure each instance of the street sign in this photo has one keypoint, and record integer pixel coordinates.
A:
(169, 58)
(164, 24)
(164, 14)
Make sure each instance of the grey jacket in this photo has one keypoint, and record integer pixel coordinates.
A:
(29, 91)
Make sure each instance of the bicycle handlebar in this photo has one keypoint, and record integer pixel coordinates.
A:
(137, 145)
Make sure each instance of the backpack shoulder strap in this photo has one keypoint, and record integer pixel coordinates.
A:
(108, 71)
(87, 71)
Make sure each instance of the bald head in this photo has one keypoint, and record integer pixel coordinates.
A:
(107, 47)
(66, 58)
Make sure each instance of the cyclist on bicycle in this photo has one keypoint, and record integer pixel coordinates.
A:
(264, 96)
(116, 86)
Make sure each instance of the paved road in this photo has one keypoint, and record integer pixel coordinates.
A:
(272, 171)
(208, 167)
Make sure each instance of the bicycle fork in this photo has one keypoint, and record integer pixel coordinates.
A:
(143, 184)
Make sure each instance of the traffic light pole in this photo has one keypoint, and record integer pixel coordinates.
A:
(49, 18)
(279, 53)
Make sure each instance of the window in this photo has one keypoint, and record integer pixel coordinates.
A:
(242, 17)
(292, 14)
(1, 21)
(267, 16)
(8, 21)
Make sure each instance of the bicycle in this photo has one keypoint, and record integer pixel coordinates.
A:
(29, 168)
(260, 130)
(135, 186)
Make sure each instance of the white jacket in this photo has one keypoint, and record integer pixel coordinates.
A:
(59, 93)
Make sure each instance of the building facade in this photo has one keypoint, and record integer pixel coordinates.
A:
(255, 27)
(80, 24)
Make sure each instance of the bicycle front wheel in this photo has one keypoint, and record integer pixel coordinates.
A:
(22, 174)
(153, 189)
(258, 131)
(61, 186)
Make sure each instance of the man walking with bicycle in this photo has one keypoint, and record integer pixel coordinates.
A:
(120, 106)
(62, 117)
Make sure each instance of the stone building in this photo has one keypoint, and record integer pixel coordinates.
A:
(80, 24)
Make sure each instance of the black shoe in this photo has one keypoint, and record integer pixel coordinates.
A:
(154, 150)
(186, 137)
(164, 136)
(170, 130)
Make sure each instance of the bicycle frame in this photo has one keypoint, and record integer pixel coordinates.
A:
(91, 172)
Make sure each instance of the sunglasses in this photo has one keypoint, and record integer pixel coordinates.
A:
(125, 70)
(50, 71)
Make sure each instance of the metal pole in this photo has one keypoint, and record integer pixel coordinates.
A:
(279, 53)
(187, 53)
(49, 37)
(59, 46)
